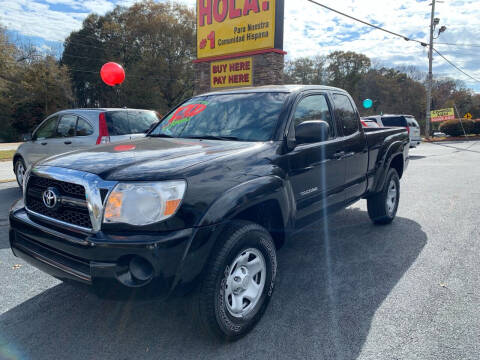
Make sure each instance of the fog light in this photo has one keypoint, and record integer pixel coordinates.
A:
(140, 269)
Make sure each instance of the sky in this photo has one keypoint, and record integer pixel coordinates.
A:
(309, 29)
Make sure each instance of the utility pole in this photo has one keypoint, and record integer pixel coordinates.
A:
(430, 76)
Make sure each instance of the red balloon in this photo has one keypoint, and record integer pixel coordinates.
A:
(112, 73)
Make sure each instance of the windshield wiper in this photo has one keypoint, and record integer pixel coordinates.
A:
(160, 135)
(213, 137)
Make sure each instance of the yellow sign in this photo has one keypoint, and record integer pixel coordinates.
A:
(231, 73)
(234, 26)
(442, 115)
(468, 116)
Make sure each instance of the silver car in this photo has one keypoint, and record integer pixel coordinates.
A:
(69, 130)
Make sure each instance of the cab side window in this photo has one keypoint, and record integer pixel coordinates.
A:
(66, 126)
(346, 114)
(48, 129)
(314, 107)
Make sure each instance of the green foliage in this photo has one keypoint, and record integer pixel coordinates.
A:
(32, 86)
(155, 43)
(476, 127)
(346, 69)
(454, 127)
(306, 71)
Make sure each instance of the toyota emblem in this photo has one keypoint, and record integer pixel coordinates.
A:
(50, 198)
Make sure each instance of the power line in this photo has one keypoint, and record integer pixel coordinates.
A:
(455, 66)
(406, 38)
(453, 44)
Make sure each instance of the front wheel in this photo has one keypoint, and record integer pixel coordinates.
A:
(382, 207)
(20, 169)
(238, 283)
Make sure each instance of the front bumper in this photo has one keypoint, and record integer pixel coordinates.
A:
(157, 262)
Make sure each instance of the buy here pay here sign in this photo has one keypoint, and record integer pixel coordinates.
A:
(231, 73)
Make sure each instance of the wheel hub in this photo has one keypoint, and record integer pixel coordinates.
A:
(239, 280)
(245, 282)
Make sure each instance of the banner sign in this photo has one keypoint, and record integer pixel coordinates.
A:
(231, 73)
(226, 27)
(442, 115)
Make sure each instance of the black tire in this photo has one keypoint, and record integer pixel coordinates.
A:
(209, 300)
(19, 161)
(378, 204)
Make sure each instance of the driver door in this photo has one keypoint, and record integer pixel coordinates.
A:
(317, 171)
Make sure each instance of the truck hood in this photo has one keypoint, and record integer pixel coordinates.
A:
(148, 158)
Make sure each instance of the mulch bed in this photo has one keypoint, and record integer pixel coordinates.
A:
(452, 138)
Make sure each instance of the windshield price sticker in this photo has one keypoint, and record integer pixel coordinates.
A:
(234, 26)
(184, 114)
(231, 73)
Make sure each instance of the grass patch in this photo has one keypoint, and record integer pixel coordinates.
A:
(6, 155)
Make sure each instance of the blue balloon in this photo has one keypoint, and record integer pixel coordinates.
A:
(367, 103)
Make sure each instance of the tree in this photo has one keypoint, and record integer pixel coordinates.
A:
(42, 87)
(346, 69)
(306, 71)
(155, 42)
(32, 86)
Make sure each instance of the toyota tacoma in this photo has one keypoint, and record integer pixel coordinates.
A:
(204, 202)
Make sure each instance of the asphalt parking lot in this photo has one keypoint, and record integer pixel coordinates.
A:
(346, 289)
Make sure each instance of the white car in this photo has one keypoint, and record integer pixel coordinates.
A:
(406, 121)
(75, 129)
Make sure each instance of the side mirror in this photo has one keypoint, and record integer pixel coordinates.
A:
(27, 137)
(312, 131)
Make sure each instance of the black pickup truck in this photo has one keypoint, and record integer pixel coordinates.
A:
(206, 199)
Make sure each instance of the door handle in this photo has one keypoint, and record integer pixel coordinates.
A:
(44, 143)
(339, 155)
(68, 142)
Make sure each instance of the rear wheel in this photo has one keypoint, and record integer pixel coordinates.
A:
(20, 169)
(382, 207)
(238, 283)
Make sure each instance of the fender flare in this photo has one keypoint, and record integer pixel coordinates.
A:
(395, 149)
(250, 193)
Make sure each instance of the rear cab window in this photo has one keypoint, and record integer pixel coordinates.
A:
(346, 114)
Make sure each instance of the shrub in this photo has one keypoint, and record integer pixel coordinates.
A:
(454, 127)
(476, 127)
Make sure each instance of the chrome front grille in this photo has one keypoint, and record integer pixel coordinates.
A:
(79, 197)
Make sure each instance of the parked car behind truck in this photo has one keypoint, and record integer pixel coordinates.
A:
(76, 129)
(406, 121)
(204, 202)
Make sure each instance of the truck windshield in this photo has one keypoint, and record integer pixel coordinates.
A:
(245, 117)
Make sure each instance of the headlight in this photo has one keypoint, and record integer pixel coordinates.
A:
(143, 203)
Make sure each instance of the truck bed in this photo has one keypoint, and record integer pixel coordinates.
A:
(377, 136)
